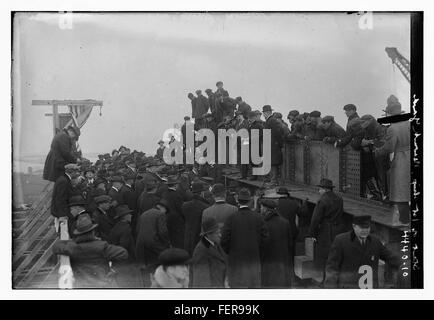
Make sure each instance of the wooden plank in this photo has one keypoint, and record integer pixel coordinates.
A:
(42, 260)
(35, 251)
(88, 102)
(36, 211)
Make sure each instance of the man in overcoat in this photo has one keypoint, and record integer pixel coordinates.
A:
(192, 212)
(244, 236)
(327, 222)
(397, 142)
(62, 191)
(209, 261)
(90, 256)
(102, 217)
(61, 153)
(220, 210)
(276, 262)
(277, 136)
(353, 259)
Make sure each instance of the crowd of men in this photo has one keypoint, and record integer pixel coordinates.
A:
(137, 222)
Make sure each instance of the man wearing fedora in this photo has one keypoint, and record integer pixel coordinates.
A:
(209, 259)
(353, 259)
(101, 216)
(173, 269)
(61, 153)
(175, 219)
(276, 262)
(326, 223)
(89, 255)
(397, 146)
(152, 233)
(192, 212)
(220, 210)
(277, 134)
(244, 236)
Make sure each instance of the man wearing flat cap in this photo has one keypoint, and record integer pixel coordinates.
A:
(101, 216)
(326, 223)
(353, 125)
(115, 190)
(314, 128)
(353, 259)
(192, 213)
(332, 130)
(397, 143)
(62, 191)
(277, 134)
(90, 256)
(209, 259)
(374, 173)
(173, 270)
(276, 262)
(244, 236)
(160, 150)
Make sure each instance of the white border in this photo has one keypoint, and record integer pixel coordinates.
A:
(221, 5)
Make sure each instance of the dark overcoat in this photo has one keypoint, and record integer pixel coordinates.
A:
(347, 255)
(192, 213)
(61, 153)
(146, 201)
(116, 195)
(327, 222)
(175, 219)
(105, 223)
(152, 236)
(209, 265)
(278, 251)
(276, 140)
(244, 236)
(62, 191)
(334, 132)
(90, 258)
(121, 235)
(289, 208)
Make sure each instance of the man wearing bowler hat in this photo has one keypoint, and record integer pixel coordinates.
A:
(89, 255)
(244, 236)
(192, 212)
(353, 259)
(277, 134)
(326, 223)
(209, 259)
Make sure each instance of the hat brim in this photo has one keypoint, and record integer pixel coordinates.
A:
(76, 232)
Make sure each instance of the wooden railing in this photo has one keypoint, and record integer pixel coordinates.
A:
(307, 162)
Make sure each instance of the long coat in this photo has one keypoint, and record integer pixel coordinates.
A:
(276, 140)
(209, 265)
(121, 235)
(61, 153)
(152, 236)
(347, 255)
(397, 141)
(277, 258)
(89, 260)
(192, 213)
(289, 208)
(175, 219)
(243, 238)
(62, 191)
(326, 224)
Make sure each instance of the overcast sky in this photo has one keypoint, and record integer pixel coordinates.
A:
(143, 65)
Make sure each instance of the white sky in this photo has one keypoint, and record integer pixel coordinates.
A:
(143, 65)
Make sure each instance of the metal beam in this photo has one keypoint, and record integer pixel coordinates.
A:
(88, 102)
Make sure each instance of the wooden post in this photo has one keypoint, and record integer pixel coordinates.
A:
(55, 119)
